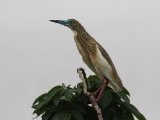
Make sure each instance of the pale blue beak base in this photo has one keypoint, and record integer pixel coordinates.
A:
(62, 22)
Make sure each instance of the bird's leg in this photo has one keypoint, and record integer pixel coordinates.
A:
(105, 83)
(95, 94)
(97, 91)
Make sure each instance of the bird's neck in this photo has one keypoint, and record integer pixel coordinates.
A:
(84, 41)
(83, 33)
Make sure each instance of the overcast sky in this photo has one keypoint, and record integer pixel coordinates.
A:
(36, 55)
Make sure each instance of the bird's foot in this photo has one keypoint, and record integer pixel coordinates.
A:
(95, 99)
(95, 94)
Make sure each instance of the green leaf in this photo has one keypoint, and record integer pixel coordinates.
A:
(39, 108)
(53, 92)
(64, 115)
(42, 105)
(47, 115)
(122, 95)
(106, 99)
(79, 90)
(126, 91)
(80, 108)
(127, 116)
(41, 97)
(68, 95)
(80, 85)
(116, 118)
(63, 85)
(58, 96)
(93, 82)
(134, 110)
(94, 79)
(77, 115)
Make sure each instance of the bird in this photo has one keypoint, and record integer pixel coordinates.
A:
(95, 57)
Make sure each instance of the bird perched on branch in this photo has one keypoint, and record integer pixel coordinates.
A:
(95, 56)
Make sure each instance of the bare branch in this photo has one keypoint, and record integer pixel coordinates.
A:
(82, 76)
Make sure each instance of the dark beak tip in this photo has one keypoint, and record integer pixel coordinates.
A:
(53, 21)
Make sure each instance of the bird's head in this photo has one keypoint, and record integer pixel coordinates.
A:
(73, 24)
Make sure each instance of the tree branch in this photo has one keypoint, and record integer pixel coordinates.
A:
(82, 76)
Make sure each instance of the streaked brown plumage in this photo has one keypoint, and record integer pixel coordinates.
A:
(94, 55)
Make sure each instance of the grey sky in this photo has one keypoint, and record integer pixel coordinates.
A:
(36, 54)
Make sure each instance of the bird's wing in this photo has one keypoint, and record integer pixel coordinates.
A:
(117, 79)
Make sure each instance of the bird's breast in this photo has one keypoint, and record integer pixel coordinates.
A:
(101, 65)
(80, 48)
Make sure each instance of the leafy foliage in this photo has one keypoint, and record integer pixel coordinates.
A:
(66, 103)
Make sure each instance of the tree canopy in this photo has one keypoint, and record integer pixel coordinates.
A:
(64, 102)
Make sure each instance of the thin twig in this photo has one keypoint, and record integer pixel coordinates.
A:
(82, 76)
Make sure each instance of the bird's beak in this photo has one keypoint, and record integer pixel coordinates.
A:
(56, 21)
(62, 22)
